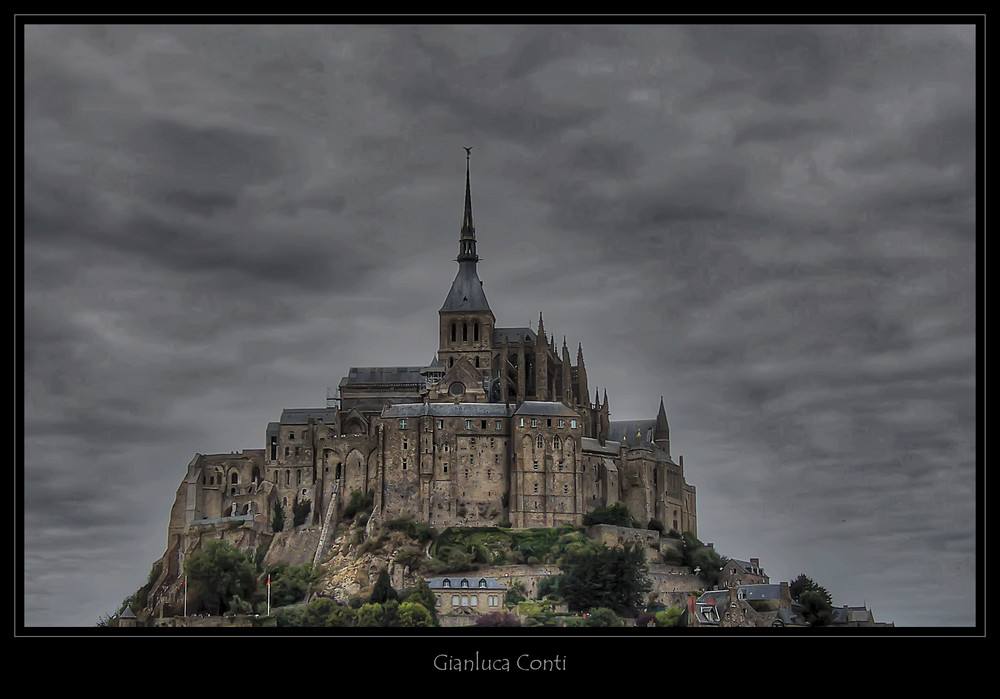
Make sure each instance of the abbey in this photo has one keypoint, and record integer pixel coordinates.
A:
(498, 429)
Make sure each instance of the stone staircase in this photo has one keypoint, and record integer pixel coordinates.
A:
(329, 523)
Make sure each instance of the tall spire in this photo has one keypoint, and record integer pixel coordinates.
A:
(467, 242)
(661, 431)
(541, 327)
(467, 290)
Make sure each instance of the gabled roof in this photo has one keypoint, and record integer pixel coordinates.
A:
(447, 410)
(300, 416)
(380, 375)
(454, 582)
(537, 407)
(513, 335)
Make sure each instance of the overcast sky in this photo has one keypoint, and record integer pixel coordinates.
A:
(773, 227)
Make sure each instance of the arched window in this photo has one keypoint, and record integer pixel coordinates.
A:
(555, 442)
(452, 332)
(235, 478)
(465, 332)
(482, 582)
(540, 443)
(337, 474)
(447, 583)
(288, 477)
(465, 582)
(475, 333)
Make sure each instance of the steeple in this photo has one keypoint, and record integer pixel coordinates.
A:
(466, 292)
(661, 432)
(467, 241)
(541, 328)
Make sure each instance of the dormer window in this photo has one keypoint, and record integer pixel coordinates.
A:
(446, 583)
(482, 582)
(465, 582)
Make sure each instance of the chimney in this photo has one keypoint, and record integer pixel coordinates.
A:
(755, 564)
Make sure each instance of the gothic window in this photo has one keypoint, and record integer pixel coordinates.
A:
(235, 478)
(555, 442)
(288, 477)
(465, 332)
(540, 443)
(475, 336)
(452, 332)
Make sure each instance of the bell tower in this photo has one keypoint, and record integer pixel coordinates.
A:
(465, 320)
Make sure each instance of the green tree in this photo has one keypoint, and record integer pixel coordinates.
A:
(278, 519)
(383, 590)
(371, 614)
(318, 611)
(671, 616)
(603, 617)
(606, 577)
(422, 594)
(815, 599)
(217, 573)
(342, 617)
(413, 614)
(616, 514)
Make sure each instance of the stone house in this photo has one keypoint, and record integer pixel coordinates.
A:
(458, 594)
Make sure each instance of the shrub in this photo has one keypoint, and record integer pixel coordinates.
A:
(498, 619)
(318, 611)
(616, 514)
(371, 614)
(358, 502)
(413, 614)
(278, 519)
(603, 616)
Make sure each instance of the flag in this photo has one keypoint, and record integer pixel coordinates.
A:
(269, 580)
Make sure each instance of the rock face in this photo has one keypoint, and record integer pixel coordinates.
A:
(293, 548)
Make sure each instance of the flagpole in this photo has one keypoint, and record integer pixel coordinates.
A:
(269, 594)
(185, 596)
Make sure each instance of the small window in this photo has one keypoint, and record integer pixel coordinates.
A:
(535, 462)
(562, 423)
(402, 424)
(555, 443)
(496, 458)
(440, 424)
(482, 582)
(534, 422)
(291, 435)
(235, 479)
(466, 473)
(548, 422)
(446, 583)
(540, 443)
(454, 600)
(404, 464)
(465, 582)
(497, 425)
(565, 489)
(520, 422)
(468, 424)
(489, 474)
(572, 424)
(446, 468)
(536, 487)
(296, 451)
(406, 444)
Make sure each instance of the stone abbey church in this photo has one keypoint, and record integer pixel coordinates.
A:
(499, 429)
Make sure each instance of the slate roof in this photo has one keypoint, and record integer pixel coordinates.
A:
(760, 592)
(466, 292)
(513, 335)
(456, 583)
(380, 375)
(448, 410)
(590, 444)
(537, 407)
(300, 416)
